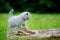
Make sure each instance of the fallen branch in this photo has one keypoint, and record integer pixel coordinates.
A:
(38, 33)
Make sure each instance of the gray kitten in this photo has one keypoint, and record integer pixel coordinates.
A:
(19, 20)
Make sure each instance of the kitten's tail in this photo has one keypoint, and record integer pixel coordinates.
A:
(11, 13)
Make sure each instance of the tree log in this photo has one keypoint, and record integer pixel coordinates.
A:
(50, 33)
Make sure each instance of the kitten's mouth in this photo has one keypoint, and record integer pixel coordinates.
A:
(26, 19)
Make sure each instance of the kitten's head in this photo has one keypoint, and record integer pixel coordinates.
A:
(26, 15)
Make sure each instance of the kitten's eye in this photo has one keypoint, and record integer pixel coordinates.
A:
(26, 13)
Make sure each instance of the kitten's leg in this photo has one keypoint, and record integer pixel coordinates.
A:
(19, 27)
(27, 29)
(11, 27)
(25, 26)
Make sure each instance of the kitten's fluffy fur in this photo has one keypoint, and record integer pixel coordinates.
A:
(18, 20)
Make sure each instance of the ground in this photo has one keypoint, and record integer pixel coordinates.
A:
(37, 21)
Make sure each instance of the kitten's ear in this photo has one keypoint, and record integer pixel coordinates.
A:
(26, 13)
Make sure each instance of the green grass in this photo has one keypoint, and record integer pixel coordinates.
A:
(44, 21)
(37, 21)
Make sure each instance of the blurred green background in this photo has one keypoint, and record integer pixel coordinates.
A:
(45, 14)
(43, 6)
